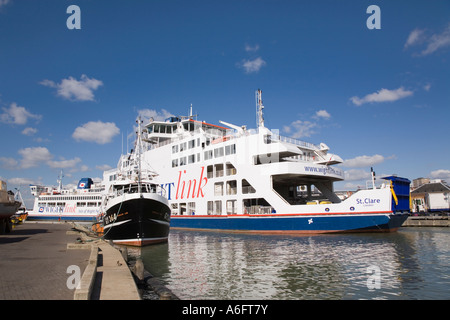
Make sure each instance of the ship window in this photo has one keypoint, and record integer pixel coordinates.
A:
(230, 169)
(210, 207)
(219, 170)
(175, 148)
(218, 189)
(218, 207)
(257, 206)
(218, 152)
(198, 157)
(231, 207)
(191, 144)
(231, 149)
(191, 158)
(209, 172)
(183, 146)
(231, 187)
(174, 208)
(246, 187)
(191, 208)
(174, 163)
(182, 208)
(208, 154)
(182, 161)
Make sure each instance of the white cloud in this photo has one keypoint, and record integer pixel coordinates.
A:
(441, 174)
(383, 95)
(22, 181)
(9, 163)
(103, 167)
(147, 114)
(357, 174)
(416, 36)
(17, 115)
(363, 161)
(438, 41)
(63, 163)
(433, 43)
(98, 132)
(3, 3)
(252, 66)
(249, 48)
(32, 157)
(75, 90)
(323, 114)
(299, 129)
(29, 131)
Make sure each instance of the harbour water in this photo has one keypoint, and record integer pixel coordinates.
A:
(413, 263)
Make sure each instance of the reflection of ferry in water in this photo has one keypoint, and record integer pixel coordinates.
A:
(72, 204)
(232, 178)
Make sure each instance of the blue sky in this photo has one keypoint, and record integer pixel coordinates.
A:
(376, 97)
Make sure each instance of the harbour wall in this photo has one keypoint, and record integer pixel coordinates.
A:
(427, 221)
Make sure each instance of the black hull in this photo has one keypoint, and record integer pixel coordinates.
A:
(137, 221)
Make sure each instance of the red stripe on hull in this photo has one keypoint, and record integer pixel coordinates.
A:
(289, 232)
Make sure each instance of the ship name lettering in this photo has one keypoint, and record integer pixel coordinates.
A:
(190, 185)
(367, 201)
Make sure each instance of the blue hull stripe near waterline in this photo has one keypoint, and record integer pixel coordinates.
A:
(296, 224)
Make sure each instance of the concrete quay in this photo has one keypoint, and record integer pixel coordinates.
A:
(44, 261)
(427, 221)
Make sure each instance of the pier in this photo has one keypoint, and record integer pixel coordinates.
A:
(427, 221)
(39, 261)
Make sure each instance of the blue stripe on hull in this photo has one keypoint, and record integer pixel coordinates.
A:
(296, 224)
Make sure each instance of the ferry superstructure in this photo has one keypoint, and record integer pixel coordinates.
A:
(80, 203)
(227, 177)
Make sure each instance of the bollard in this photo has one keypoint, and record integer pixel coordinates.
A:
(139, 269)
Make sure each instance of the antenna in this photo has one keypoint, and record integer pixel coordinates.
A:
(259, 109)
(60, 181)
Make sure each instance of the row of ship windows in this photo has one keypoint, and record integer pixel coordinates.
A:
(249, 206)
(69, 198)
(192, 144)
(63, 204)
(209, 154)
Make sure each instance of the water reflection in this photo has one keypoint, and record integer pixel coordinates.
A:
(413, 264)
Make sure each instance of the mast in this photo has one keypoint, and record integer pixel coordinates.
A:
(60, 181)
(259, 109)
(138, 151)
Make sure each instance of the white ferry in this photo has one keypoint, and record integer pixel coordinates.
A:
(230, 178)
(82, 203)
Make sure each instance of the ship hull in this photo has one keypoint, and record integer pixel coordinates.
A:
(293, 224)
(8, 209)
(137, 220)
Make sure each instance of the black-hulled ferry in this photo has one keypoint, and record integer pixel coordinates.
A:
(136, 210)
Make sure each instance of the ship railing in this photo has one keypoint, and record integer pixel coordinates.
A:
(277, 137)
(379, 184)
